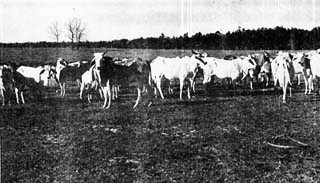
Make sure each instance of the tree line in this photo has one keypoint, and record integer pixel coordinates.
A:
(278, 38)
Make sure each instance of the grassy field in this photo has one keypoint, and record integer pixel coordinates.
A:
(36, 56)
(221, 136)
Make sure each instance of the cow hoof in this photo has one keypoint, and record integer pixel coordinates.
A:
(284, 101)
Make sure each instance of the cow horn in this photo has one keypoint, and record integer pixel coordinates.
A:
(201, 60)
(104, 52)
(195, 52)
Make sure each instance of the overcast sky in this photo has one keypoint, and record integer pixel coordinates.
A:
(28, 20)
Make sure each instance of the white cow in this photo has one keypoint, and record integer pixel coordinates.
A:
(175, 68)
(40, 74)
(301, 66)
(314, 58)
(69, 72)
(89, 83)
(232, 69)
(283, 72)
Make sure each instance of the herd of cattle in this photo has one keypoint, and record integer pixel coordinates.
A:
(106, 74)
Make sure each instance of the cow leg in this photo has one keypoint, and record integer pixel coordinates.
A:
(109, 93)
(117, 91)
(181, 87)
(251, 84)
(284, 96)
(299, 77)
(61, 88)
(158, 82)
(268, 80)
(101, 92)
(155, 92)
(64, 89)
(113, 92)
(188, 89)
(2, 96)
(22, 97)
(89, 97)
(138, 98)
(17, 95)
(81, 90)
(310, 83)
(105, 95)
(306, 84)
(149, 93)
(290, 91)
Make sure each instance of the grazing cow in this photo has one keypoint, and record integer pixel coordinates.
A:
(89, 83)
(108, 73)
(176, 68)
(283, 72)
(233, 69)
(6, 82)
(69, 72)
(302, 67)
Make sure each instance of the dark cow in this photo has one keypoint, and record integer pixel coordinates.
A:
(108, 73)
(263, 69)
(70, 72)
(19, 83)
(6, 83)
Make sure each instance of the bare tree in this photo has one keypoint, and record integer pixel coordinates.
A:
(75, 30)
(55, 31)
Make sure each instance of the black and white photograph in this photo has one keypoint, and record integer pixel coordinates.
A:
(143, 91)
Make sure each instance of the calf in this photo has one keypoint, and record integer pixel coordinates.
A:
(90, 84)
(69, 72)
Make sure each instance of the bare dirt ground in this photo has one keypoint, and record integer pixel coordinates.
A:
(221, 137)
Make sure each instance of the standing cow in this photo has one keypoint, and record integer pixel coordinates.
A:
(108, 74)
(6, 83)
(263, 67)
(283, 72)
(184, 68)
(228, 69)
(69, 72)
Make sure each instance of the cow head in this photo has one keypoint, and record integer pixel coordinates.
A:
(6, 75)
(200, 56)
(48, 72)
(248, 66)
(103, 66)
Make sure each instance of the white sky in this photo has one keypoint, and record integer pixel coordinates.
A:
(28, 20)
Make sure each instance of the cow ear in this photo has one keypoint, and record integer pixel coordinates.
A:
(93, 62)
(291, 56)
(42, 71)
(194, 52)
